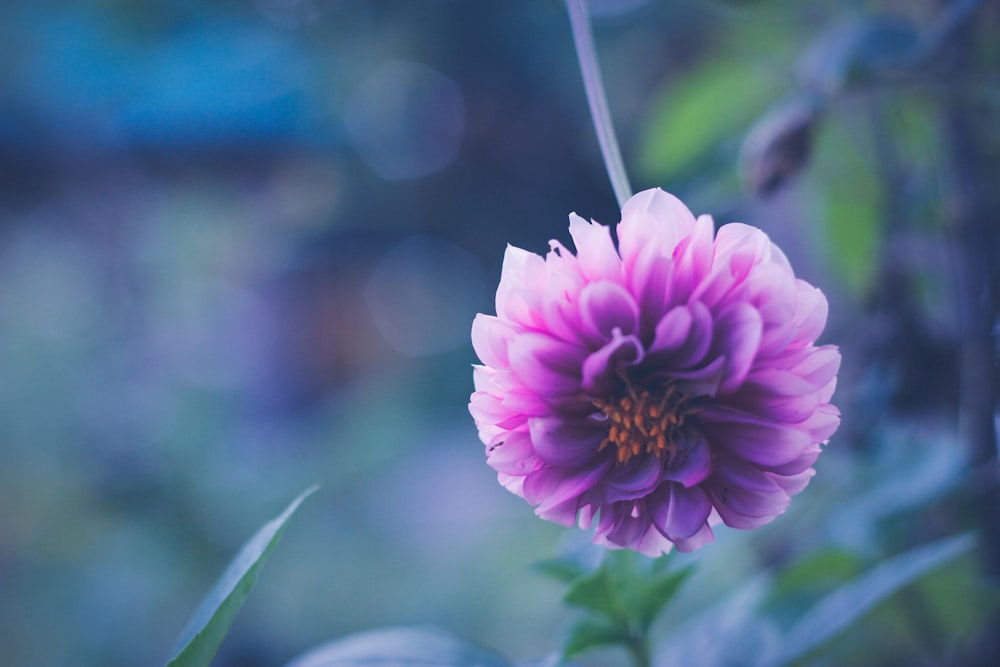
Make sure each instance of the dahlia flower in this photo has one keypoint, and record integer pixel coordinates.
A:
(658, 388)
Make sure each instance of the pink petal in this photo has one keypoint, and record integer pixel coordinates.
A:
(512, 454)
(595, 251)
(546, 366)
(490, 337)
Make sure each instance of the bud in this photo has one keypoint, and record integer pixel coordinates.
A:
(778, 146)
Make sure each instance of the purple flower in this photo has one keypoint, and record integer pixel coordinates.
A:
(657, 388)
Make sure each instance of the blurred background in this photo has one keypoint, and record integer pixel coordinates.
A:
(242, 243)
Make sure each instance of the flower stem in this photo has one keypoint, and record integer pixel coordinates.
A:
(597, 99)
(638, 648)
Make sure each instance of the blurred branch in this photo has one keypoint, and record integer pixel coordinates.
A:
(973, 205)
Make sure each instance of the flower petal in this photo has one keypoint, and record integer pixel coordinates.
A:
(743, 495)
(635, 479)
(679, 512)
(751, 438)
(595, 251)
(546, 366)
(694, 464)
(548, 487)
(599, 368)
(562, 443)
(683, 336)
(738, 332)
(606, 306)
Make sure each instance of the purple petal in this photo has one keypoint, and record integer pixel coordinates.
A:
(563, 444)
(793, 484)
(702, 381)
(549, 487)
(678, 512)
(738, 332)
(744, 496)
(750, 437)
(606, 306)
(635, 479)
(599, 368)
(546, 366)
(694, 465)
(683, 336)
(490, 337)
(696, 541)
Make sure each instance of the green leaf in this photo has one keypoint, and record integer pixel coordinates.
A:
(588, 633)
(849, 603)
(852, 201)
(596, 592)
(564, 569)
(210, 623)
(400, 647)
(654, 596)
(691, 119)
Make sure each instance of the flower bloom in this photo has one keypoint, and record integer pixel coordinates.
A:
(657, 388)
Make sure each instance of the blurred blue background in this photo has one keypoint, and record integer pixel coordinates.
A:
(242, 243)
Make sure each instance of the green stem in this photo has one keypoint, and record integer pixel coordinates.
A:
(597, 99)
(638, 648)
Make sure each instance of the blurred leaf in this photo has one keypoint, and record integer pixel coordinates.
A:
(849, 603)
(596, 592)
(563, 568)
(210, 623)
(588, 633)
(654, 596)
(399, 647)
(688, 120)
(822, 568)
(730, 632)
(852, 199)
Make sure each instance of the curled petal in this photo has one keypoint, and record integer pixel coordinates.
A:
(599, 368)
(606, 306)
(683, 336)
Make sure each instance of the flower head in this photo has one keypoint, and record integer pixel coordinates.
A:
(657, 388)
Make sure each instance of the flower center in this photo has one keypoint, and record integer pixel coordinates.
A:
(643, 422)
